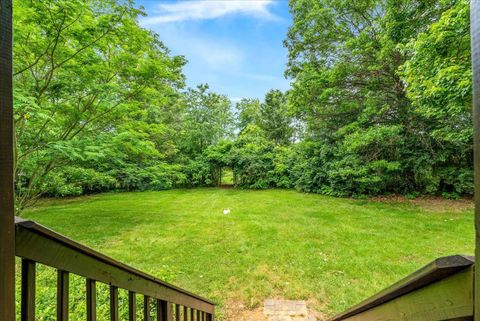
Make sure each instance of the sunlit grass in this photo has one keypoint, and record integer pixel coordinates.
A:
(227, 176)
(274, 243)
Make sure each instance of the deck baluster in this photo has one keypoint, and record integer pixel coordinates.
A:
(28, 290)
(132, 306)
(91, 300)
(164, 311)
(177, 312)
(113, 303)
(36, 244)
(146, 308)
(62, 295)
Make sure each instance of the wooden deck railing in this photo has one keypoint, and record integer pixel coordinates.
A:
(35, 243)
(442, 290)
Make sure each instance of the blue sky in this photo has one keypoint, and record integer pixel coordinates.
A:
(233, 45)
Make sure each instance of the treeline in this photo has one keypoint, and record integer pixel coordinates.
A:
(384, 88)
(101, 104)
(380, 103)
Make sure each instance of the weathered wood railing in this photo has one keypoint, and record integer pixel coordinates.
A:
(35, 243)
(442, 290)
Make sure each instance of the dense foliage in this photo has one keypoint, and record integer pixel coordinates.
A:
(380, 103)
(100, 104)
(384, 90)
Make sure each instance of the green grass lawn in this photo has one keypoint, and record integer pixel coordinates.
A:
(275, 243)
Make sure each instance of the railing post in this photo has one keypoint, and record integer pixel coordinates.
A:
(62, 295)
(7, 227)
(132, 306)
(91, 300)
(113, 303)
(28, 291)
(475, 45)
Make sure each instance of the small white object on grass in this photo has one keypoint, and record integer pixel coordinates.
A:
(226, 211)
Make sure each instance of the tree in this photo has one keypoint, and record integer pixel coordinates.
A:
(275, 119)
(248, 113)
(83, 71)
(208, 120)
(345, 58)
(438, 78)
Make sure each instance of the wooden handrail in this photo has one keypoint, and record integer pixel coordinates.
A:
(439, 270)
(35, 243)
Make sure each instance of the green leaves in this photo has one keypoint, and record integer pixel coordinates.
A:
(385, 86)
(380, 103)
(88, 81)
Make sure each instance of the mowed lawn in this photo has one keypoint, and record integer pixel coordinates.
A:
(274, 243)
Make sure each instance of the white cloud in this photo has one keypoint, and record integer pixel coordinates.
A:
(202, 50)
(209, 9)
(218, 55)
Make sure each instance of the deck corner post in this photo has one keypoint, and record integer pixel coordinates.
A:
(7, 228)
(475, 46)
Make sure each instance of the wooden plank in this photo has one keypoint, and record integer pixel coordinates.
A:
(91, 300)
(62, 295)
(132, 306)
(475, 45)
(113, 303)
(44, 246)
(164, 311)
(198, 315)
(437, 270)
(177, 312)
(448, 299)
(28, 291)
(7, 229)
(185, 314)
(146, 308)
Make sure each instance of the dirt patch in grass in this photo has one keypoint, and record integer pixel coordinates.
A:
(313, 303)
(430, 204)
(237, 311)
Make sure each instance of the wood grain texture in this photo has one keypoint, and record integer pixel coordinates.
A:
(448, 299)
(7, 229)
(433, 272)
